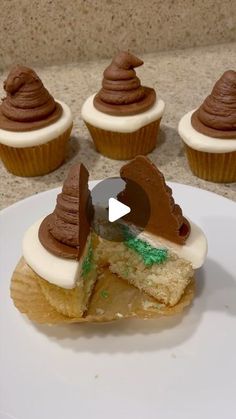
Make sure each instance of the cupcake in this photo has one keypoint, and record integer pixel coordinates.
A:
(209, 133)
(123, 118)
(34, 128)
(160, 259)
(69, 273)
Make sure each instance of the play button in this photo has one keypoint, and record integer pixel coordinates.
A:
(116, 210)
(110, 213)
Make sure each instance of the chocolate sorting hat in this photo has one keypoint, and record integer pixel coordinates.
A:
(216, 117)
(28, 105)
(165, 218)
(65, 231)
(122, 92)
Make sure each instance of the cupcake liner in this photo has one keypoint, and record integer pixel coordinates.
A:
(112, 299)
(215, 167)
(37, 160)
(123, 146)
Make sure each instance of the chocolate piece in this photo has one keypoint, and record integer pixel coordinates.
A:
(122, 93)
(166, 218)
(65, 231)
(216, 117)
(28, 105)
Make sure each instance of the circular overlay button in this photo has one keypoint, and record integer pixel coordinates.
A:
(117, 205)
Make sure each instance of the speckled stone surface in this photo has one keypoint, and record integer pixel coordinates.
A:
(52, 32)
(181, 78)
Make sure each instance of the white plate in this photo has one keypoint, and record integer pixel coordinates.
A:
(180, 367)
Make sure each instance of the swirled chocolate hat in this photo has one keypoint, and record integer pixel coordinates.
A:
(122, 93)
(27, 105)
(216, 117)
(166, 219)
(65, 231)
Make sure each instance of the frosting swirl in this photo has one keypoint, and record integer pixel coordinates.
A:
(216, 117)
(122, 92)
(65, 231)
(28, 105)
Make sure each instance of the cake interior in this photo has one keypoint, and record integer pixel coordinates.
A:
(158, 272)
(74, 302)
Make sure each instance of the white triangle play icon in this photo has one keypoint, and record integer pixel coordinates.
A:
(116, 210)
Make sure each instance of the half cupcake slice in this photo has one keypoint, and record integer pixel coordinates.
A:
(159, 259)
(59, 249)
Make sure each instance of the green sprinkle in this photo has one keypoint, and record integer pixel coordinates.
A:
(104, 294)
(149, 254)
(88, 261)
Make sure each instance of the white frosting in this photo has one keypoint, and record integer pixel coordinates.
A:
(56, 270)
(38, 136)
(194, 250)
(120, 123)
(201, 142)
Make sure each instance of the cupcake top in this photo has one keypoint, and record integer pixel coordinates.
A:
(28, 105)
(122, 93)
(216, 117)
(64, 232)
(166, 219)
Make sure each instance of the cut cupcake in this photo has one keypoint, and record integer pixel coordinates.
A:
(160, 260)
(34, 128)
(70, 274)
(123, 117)
(209, 133)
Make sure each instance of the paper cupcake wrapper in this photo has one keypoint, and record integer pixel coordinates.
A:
(123, 146)
(215, 167)
(38, 160)
(112, 299)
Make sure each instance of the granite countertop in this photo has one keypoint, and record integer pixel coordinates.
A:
(181, 77)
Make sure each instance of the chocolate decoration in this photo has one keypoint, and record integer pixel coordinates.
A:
(166, 218)
(122, 93)
(28, 105)
(65, 231)
(216, 117)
